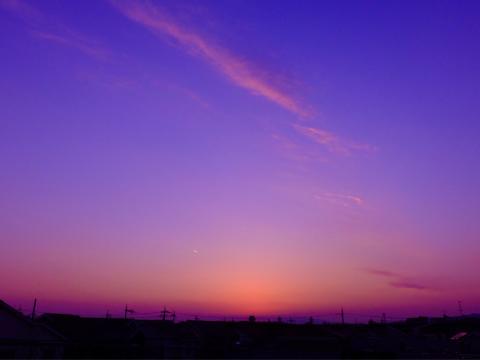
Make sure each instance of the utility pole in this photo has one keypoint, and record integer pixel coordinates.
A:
(342, 315)
(34, 308)
(460, 308)
(164, 313)
(128, 311)
(384, 318)
(174, 315)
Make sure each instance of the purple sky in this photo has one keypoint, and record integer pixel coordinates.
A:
(240, 156)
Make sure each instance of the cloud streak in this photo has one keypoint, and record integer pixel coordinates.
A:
(397, 280)
(341, 199)
(407, 285)
(76, 41)
(380, 272)
(21, 8)
(240, 71)
(45, 29)
(332, 142)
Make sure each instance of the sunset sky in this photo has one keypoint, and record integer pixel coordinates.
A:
(237, 157)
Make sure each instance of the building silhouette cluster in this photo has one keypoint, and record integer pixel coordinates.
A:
(60, 336)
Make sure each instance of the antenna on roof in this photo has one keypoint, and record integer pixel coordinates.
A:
(34, 308)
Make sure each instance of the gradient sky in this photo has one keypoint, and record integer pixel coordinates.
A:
(240, 157)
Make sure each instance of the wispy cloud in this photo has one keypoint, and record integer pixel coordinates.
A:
(345, 200)
(380, 272)
(295, 152)
(330, 141)
(407, 285)
(195, 97)
(397, 280)
(71, 39)
(240, 71)
(44, 28)
(109, 80)
(21, 8)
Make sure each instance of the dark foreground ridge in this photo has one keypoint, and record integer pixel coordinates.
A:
(71, 336)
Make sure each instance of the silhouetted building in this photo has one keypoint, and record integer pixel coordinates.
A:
(96, 337)
(22, 338)
(71, 336)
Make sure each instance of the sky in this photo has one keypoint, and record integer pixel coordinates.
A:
(240, 157)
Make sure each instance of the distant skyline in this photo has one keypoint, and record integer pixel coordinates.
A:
(240, 157)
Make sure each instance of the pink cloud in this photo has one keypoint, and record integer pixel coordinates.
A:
(295, 151)
(240, 71)
(332, 142)
(341, 199)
